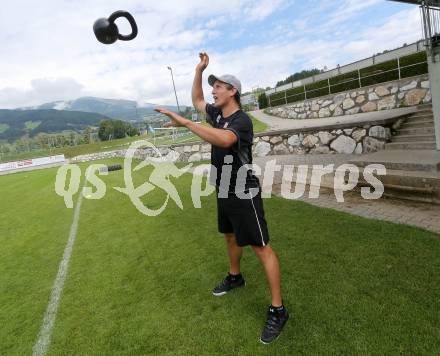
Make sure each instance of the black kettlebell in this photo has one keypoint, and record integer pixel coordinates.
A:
(107, 32)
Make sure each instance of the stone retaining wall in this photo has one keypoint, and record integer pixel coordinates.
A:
(181, 153)
(406, 92)
(353, 140)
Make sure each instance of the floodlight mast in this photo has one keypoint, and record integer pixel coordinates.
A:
(174, 86)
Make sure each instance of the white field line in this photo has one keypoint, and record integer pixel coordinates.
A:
(41, 346)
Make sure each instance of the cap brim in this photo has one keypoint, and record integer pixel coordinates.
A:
(212, 79)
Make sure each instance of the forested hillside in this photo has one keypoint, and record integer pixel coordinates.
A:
(16, 123)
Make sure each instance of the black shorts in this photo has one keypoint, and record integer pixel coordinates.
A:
(244, 218)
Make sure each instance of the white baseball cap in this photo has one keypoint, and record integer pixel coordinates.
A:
(226, 78)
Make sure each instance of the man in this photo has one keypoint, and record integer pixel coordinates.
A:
(239, 204)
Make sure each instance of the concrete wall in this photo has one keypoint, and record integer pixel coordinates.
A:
(434, 74)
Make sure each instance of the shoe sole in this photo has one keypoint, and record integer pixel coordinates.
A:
(223, 293)
(218, 294)
(268, 343)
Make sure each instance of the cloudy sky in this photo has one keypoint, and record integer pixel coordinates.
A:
(48, 50)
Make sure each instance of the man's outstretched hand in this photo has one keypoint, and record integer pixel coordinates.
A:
(216, 137)
(204, 61)
(176, 120)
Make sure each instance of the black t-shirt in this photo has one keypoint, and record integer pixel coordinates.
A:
(241, 125)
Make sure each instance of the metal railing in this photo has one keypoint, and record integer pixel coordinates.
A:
(412, 48)
(359, 81)
(430, 16)
(395, 54)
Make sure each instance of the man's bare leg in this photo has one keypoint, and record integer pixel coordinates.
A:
(277, 315)
(271, 266)
(234, 253)
(234, 278)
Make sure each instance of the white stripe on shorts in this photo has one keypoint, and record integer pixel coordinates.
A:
(258, 222)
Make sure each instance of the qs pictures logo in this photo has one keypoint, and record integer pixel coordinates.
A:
(159, 178)
(344, 178)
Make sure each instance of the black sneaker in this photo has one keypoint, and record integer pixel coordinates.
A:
(274, 324)
(229, 283)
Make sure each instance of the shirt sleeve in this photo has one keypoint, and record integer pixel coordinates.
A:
(211, 114)
(243, 129)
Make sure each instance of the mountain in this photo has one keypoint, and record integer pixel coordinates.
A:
(115, 109)
(16, 123)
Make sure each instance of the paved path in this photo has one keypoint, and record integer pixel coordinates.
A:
(422, 215)
(276, 123)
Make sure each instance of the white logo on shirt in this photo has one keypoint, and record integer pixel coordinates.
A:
(225, 125)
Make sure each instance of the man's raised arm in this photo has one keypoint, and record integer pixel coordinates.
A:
(197, 91)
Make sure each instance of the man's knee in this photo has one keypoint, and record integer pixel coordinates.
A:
(263, 251)
(230, 238)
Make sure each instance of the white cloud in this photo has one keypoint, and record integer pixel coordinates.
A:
(259, 10)
(49, 51)
(400, 28)
(42, 90)
(55, 40)
(348, 8)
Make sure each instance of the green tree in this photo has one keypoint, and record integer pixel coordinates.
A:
(86, 135)
(262, 101)
(299, 75)
(105, 130)
(5, 149)
(119, 129)
(132, 131)
(42, 140)
(116, 129)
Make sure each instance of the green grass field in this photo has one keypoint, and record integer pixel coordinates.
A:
(142, 285)
(72, 151)
(259, 126)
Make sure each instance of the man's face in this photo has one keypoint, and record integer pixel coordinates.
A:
(222, 94)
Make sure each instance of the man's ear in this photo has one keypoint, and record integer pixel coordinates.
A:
(234, 90)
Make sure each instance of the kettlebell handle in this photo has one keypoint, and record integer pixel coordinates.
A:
(130, 19)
